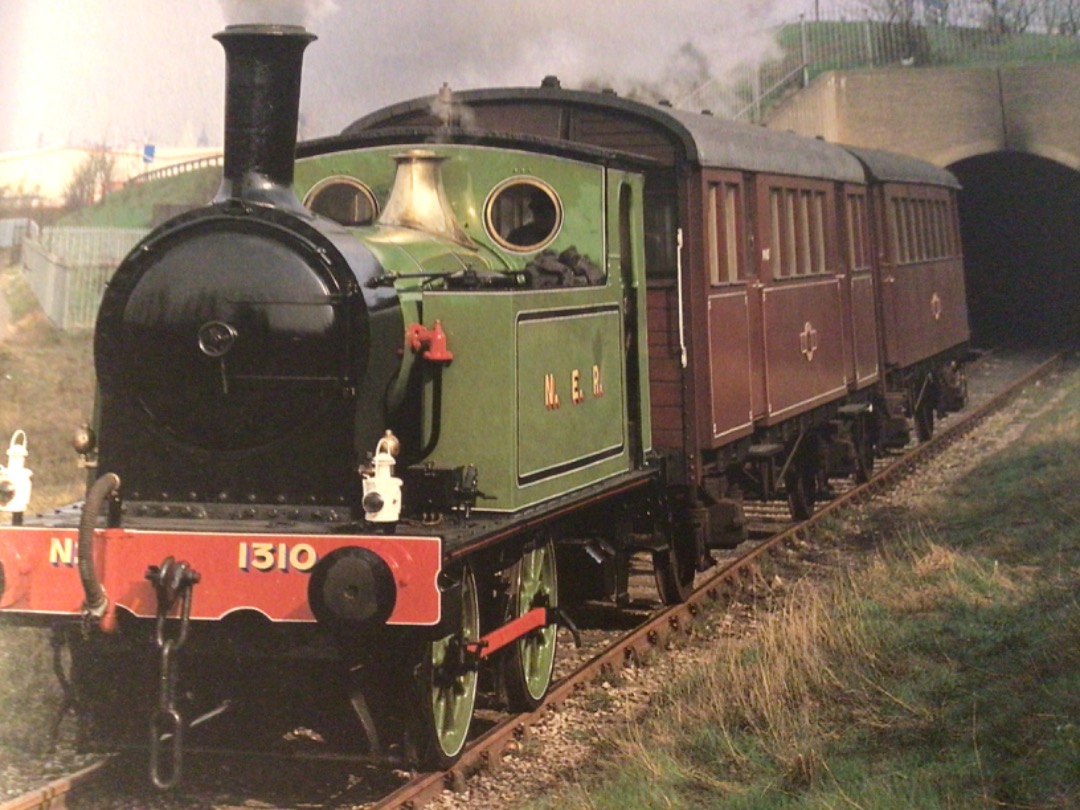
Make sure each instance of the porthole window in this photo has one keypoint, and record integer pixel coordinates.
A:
(344, 200)
(523, 214)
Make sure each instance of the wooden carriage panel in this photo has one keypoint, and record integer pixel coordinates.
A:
(924, 305)
(665, 366)
(803, 346)
(621, 132)
(952, 321)
(729, 365)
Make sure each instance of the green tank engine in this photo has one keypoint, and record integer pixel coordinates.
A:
(518, 276)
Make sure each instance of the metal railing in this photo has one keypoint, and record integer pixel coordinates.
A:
(861, 34)
(68, 269)
(177, 169)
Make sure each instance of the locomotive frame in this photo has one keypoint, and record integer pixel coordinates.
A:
(566, 327)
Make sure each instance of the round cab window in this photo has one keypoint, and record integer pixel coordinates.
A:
(523, 215)
(344, 200)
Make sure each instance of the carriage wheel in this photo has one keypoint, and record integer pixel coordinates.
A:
(530, 661)
(800, 482)
(674, 569)
(446, 686)
(924, 422)
(864, 451)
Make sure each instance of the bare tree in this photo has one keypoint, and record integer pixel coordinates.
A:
(1061, 17)
(937, 12)
(1011, 16)
(91, 179)
(891, 11)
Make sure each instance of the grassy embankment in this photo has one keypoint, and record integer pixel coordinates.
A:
(46, 389)
(943, 674)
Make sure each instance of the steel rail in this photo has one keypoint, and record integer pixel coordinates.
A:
(634, 647)
(54, 795)
(715, 591)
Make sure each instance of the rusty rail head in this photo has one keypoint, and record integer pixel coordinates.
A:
(631, 648)
(715, 590)
(56, 793)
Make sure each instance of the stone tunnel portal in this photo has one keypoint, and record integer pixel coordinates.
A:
(1020, 223)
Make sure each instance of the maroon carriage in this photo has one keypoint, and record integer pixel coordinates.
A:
(802, 297)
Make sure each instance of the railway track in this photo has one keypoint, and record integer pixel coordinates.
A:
(661, 629)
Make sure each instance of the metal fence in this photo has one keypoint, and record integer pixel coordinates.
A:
(177, 169)
(857, 34)
(14, 229)
(68, 269)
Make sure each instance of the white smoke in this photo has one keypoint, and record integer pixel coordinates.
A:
(307, 13)
(121, 71)
(689, 50)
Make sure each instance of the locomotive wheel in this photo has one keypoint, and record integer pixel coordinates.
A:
(446, 687)
(674, 569)
(530, 661)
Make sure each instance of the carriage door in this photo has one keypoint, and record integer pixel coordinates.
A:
(726, 229)
(862, 306)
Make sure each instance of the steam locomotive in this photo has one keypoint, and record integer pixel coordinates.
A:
(510, 340)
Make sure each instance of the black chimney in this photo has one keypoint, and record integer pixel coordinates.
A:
(262, 107)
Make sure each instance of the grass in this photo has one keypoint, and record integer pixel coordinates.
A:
(46, 389)
(945, 673)
(134, 206)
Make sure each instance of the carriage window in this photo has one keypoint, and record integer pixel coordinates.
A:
(790, 256)
(725, 254)
(952, 242)
(934, 212)
(777, 258)
(912, 232)
(799, 245)
(947, 229)
(343, 199)
(858, 249)
(943, 228)
(732, 208)
(900, 231)
(660, 235)
(805, 255)
(523, 214)
(712, 220)
(921, 230)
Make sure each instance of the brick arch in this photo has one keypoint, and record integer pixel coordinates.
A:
(944, 115)
(1049, 151)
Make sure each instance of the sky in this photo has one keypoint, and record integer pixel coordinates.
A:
(130, 72)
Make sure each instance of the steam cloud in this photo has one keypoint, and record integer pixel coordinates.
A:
(308, 13)
(125, 71)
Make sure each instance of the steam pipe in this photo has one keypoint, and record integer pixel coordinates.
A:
(262, 108)
(97, 602)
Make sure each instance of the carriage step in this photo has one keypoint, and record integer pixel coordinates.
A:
(765, 450)
(854, 409)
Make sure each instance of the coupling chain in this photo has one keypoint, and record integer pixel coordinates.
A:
(173, 582)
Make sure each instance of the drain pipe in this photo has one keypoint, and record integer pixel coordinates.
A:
(97, 603)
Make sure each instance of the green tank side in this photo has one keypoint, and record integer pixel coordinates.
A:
(537, 396)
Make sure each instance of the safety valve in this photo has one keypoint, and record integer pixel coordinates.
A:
(15, 484)
(382, 491)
